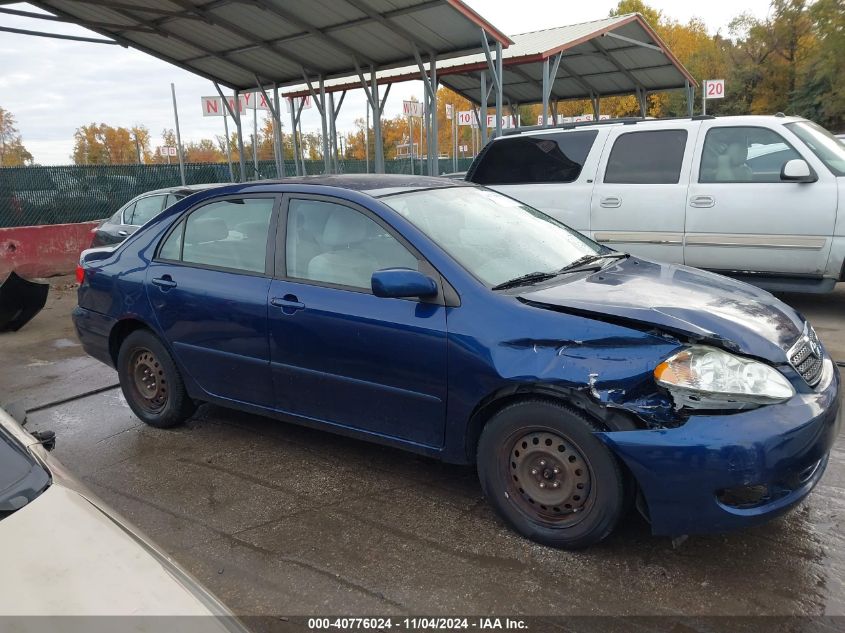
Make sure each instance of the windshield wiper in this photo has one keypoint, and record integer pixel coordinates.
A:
(584, 263)
(525, 280)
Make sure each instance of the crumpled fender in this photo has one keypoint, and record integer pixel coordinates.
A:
(20, 301)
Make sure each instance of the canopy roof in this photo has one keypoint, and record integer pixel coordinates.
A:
(613, 56)
(232, 41)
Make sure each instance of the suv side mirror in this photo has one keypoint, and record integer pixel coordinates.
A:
(402, 282)
(797, 170)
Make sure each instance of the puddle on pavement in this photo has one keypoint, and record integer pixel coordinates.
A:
(63, 343)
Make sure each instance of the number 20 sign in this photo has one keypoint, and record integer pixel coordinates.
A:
(714, 88)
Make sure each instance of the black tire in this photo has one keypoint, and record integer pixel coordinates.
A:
(548, 476)
(151, 382)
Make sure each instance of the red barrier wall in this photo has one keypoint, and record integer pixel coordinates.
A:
(43, 251)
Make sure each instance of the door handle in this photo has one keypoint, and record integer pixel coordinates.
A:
(123, 233)
(289, 303)
(702, 202)
(165, 282)
(611, 202)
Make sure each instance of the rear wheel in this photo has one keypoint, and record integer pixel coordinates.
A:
(548, 476)
(151, 382)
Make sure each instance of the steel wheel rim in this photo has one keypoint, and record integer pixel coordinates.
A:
(148, 380)
(548, 477)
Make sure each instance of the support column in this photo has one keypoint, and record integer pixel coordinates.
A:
(378, 150)
(278, 138)
(482, 119)
(434, 147)
(545, 93)
(226, 108)
(294, 142)
(690, 96)
(238, 124)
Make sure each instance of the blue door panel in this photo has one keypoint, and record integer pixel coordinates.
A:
(216, 324)
(361, 361)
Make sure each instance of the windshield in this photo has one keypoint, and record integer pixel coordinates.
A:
(22, 478)
(823, 144)
(494, 237)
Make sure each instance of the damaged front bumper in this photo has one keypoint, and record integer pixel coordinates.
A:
(716, 473)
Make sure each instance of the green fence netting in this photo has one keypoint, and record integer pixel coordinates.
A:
(79, 193)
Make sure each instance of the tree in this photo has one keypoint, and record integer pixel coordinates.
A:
(102, 144)
(12, 150)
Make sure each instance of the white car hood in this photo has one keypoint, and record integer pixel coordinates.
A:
(61, 555)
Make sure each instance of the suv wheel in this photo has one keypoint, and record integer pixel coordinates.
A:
(548, 476)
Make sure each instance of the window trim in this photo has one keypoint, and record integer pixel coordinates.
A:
(280, 267)
(182, 221)
(745, 182)
(615, 140)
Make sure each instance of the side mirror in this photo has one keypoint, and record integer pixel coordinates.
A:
(402, 282)
(797, 170)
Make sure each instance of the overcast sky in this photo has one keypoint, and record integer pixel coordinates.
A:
(54, 86)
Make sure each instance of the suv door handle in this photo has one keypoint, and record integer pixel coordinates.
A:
(165, 282)
(123, 233)
(611, 202)
(289, 303)
(702, 202)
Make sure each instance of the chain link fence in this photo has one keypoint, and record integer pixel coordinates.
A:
(32, 196)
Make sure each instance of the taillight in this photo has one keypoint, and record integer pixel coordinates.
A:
(80, 274)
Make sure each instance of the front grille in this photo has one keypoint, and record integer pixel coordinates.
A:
(806, 356)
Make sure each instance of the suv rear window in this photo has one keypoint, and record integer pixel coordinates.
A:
(647, 158)
(541, 158)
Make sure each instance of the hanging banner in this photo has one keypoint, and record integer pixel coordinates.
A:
(255, 101)
(213, 106)
(412, 108)
(294, 103)
(508, 122)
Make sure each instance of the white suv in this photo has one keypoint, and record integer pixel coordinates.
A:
(755, 197)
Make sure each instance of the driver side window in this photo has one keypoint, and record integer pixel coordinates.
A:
(335, 244)
(744, 154)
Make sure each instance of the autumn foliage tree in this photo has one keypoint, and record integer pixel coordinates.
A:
(102, 144)
(12, 150)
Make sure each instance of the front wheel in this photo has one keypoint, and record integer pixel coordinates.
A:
(548, 476)
(151, 382)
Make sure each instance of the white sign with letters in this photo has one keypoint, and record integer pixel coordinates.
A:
(293, 103)
(412, 108)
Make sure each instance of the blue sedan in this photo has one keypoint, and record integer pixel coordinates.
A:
(453, 321)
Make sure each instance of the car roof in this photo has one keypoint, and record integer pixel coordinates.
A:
(375, 185)
(638, 122)
(184, 188)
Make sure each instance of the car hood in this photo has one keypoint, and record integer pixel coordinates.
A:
(63, 555)
(692, 303)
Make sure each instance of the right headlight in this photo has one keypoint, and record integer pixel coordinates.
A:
(707, 377)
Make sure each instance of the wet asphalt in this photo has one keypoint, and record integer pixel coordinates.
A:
(281, 520)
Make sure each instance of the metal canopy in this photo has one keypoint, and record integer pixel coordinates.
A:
(613, 56)
(232, 41)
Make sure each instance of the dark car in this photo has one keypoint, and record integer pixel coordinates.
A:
(140, 210)
(453, 321)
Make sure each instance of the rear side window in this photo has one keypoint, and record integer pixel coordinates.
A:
(146, 209)
(223, 234)
(543, 158)
(647, 158)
